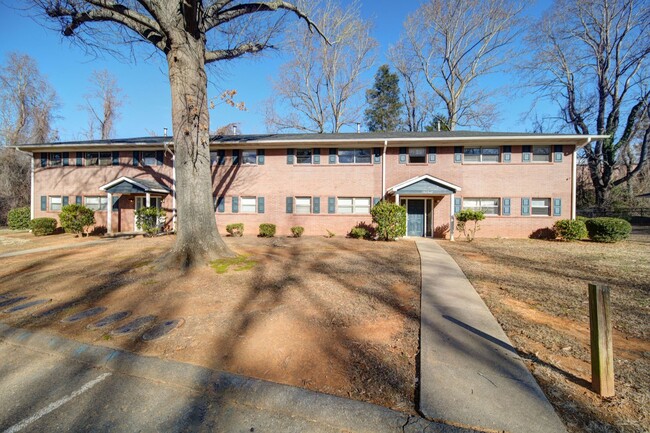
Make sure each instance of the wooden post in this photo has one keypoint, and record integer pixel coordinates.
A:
(602, 357)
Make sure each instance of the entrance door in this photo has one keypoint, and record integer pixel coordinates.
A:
(141, 202)
(415, 218)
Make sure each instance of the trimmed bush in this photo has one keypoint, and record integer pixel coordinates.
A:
(18, 218)
(75, 218)
(608, 229)
(570, 230)
(358, 233)
(42, 226)
(297, 231)
(467, 222)
(148, 219)
(267, 230)
(390, 219)
(235, 230)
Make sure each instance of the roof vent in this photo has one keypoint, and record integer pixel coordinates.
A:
(358, 127)
(165, 132)
(234, 129)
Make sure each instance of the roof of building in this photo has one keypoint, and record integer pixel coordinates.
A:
(142, 185)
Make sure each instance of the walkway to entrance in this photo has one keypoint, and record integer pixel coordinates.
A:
(469, 372)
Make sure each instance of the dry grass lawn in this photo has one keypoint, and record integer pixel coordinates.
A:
(336, 315)
(538, 292)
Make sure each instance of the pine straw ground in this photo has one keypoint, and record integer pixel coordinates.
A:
(538, 292)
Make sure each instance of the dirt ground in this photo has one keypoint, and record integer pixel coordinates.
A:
(19, 240)
(538, 292)
(336, 315)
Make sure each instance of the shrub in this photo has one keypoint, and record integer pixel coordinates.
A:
(545, 233)
(297, 231)
(570, 230)
(267, 230)
(358, 233)
(18, 218)
(42, 226)
(75, 218)
(608, 229)
(235, 230)
(98, 231)
(148, 219)
(467, 222)
(390, 219)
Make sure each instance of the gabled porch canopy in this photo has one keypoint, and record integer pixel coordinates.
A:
(424, 185)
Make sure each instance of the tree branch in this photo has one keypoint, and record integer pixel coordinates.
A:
(239, 50)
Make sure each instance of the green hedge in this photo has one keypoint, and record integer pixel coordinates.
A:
(570, 230)
(235, 229)
(267, 230)
(148, 219)
(390, 219)
(608, 229)
(42, 226)
(358, 233)
(18, 218)
(76, 218)
(297, 231)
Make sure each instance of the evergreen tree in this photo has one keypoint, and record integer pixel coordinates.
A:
(385, 107)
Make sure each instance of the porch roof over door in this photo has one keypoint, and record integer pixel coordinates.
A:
(129, 185)
(424, 185)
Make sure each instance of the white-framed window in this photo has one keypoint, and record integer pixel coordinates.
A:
(55, 159)
(249, 157)
(99, 158)
(149, 158)
(540, 206)
(96, 202)
(249, 204)
(481, 154)
(304, 156)
(354, 156)
(214, 157)
(55, 202)
(489, 206)
(303, 205)
(541, 153)
(353, 205)
(417, 155)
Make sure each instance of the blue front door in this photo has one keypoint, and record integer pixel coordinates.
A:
(415, 218)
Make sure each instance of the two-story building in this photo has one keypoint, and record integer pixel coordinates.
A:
(324, 182)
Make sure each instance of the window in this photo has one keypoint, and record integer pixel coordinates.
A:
(481, 154)
(99, 158)
(55, 203)
(96, 203)
(149, 158)
(303, 204)
(541, 153)
(55, 159)
(417, 155)
(249, 157)
(489, 206)
(540, 206)
(303, 156)
(214, 157)
(249, 204)
(354, 156)
(354, 205)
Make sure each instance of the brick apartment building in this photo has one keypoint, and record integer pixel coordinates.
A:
(523, 182)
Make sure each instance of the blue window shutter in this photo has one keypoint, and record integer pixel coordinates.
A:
(377, 155)
(458, 154)
(116, 203)
(402, 155)
(222, 157)
(66, 159)
(78, 200)
(221, 204)
(507, 153)
(260, 157)
(290, 156)
(332, 158)
(260, 204)
(65, 201)
(136, 158)
(160, 157)
(79, 160)
(235, 156)
(525, 153)
(557, 206)
(375, 200)
(558, 152)
(432, 154)
(506, 206)
(43, 202)
(43, 159)
(289, 205)
(331, 204)
(525, 206)
(235, 204)
(458, 204)
(316, 205)
(316, 156)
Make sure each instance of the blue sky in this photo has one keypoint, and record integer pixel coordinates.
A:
(144, 82)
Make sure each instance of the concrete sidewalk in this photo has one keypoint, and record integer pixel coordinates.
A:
(470, 374)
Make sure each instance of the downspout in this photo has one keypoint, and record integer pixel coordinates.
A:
(383, 171)
(168, 149)
(31, 190)
(574, 180)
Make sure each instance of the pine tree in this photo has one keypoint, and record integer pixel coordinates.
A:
(385, 107)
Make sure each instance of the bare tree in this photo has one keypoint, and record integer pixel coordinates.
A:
(190, 34)
(591, 58)
(454, 44)
(103, 104)
(317, 87)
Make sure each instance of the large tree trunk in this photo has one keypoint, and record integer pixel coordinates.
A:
(198, 240)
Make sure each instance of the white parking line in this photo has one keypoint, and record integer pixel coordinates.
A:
(53, 406)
